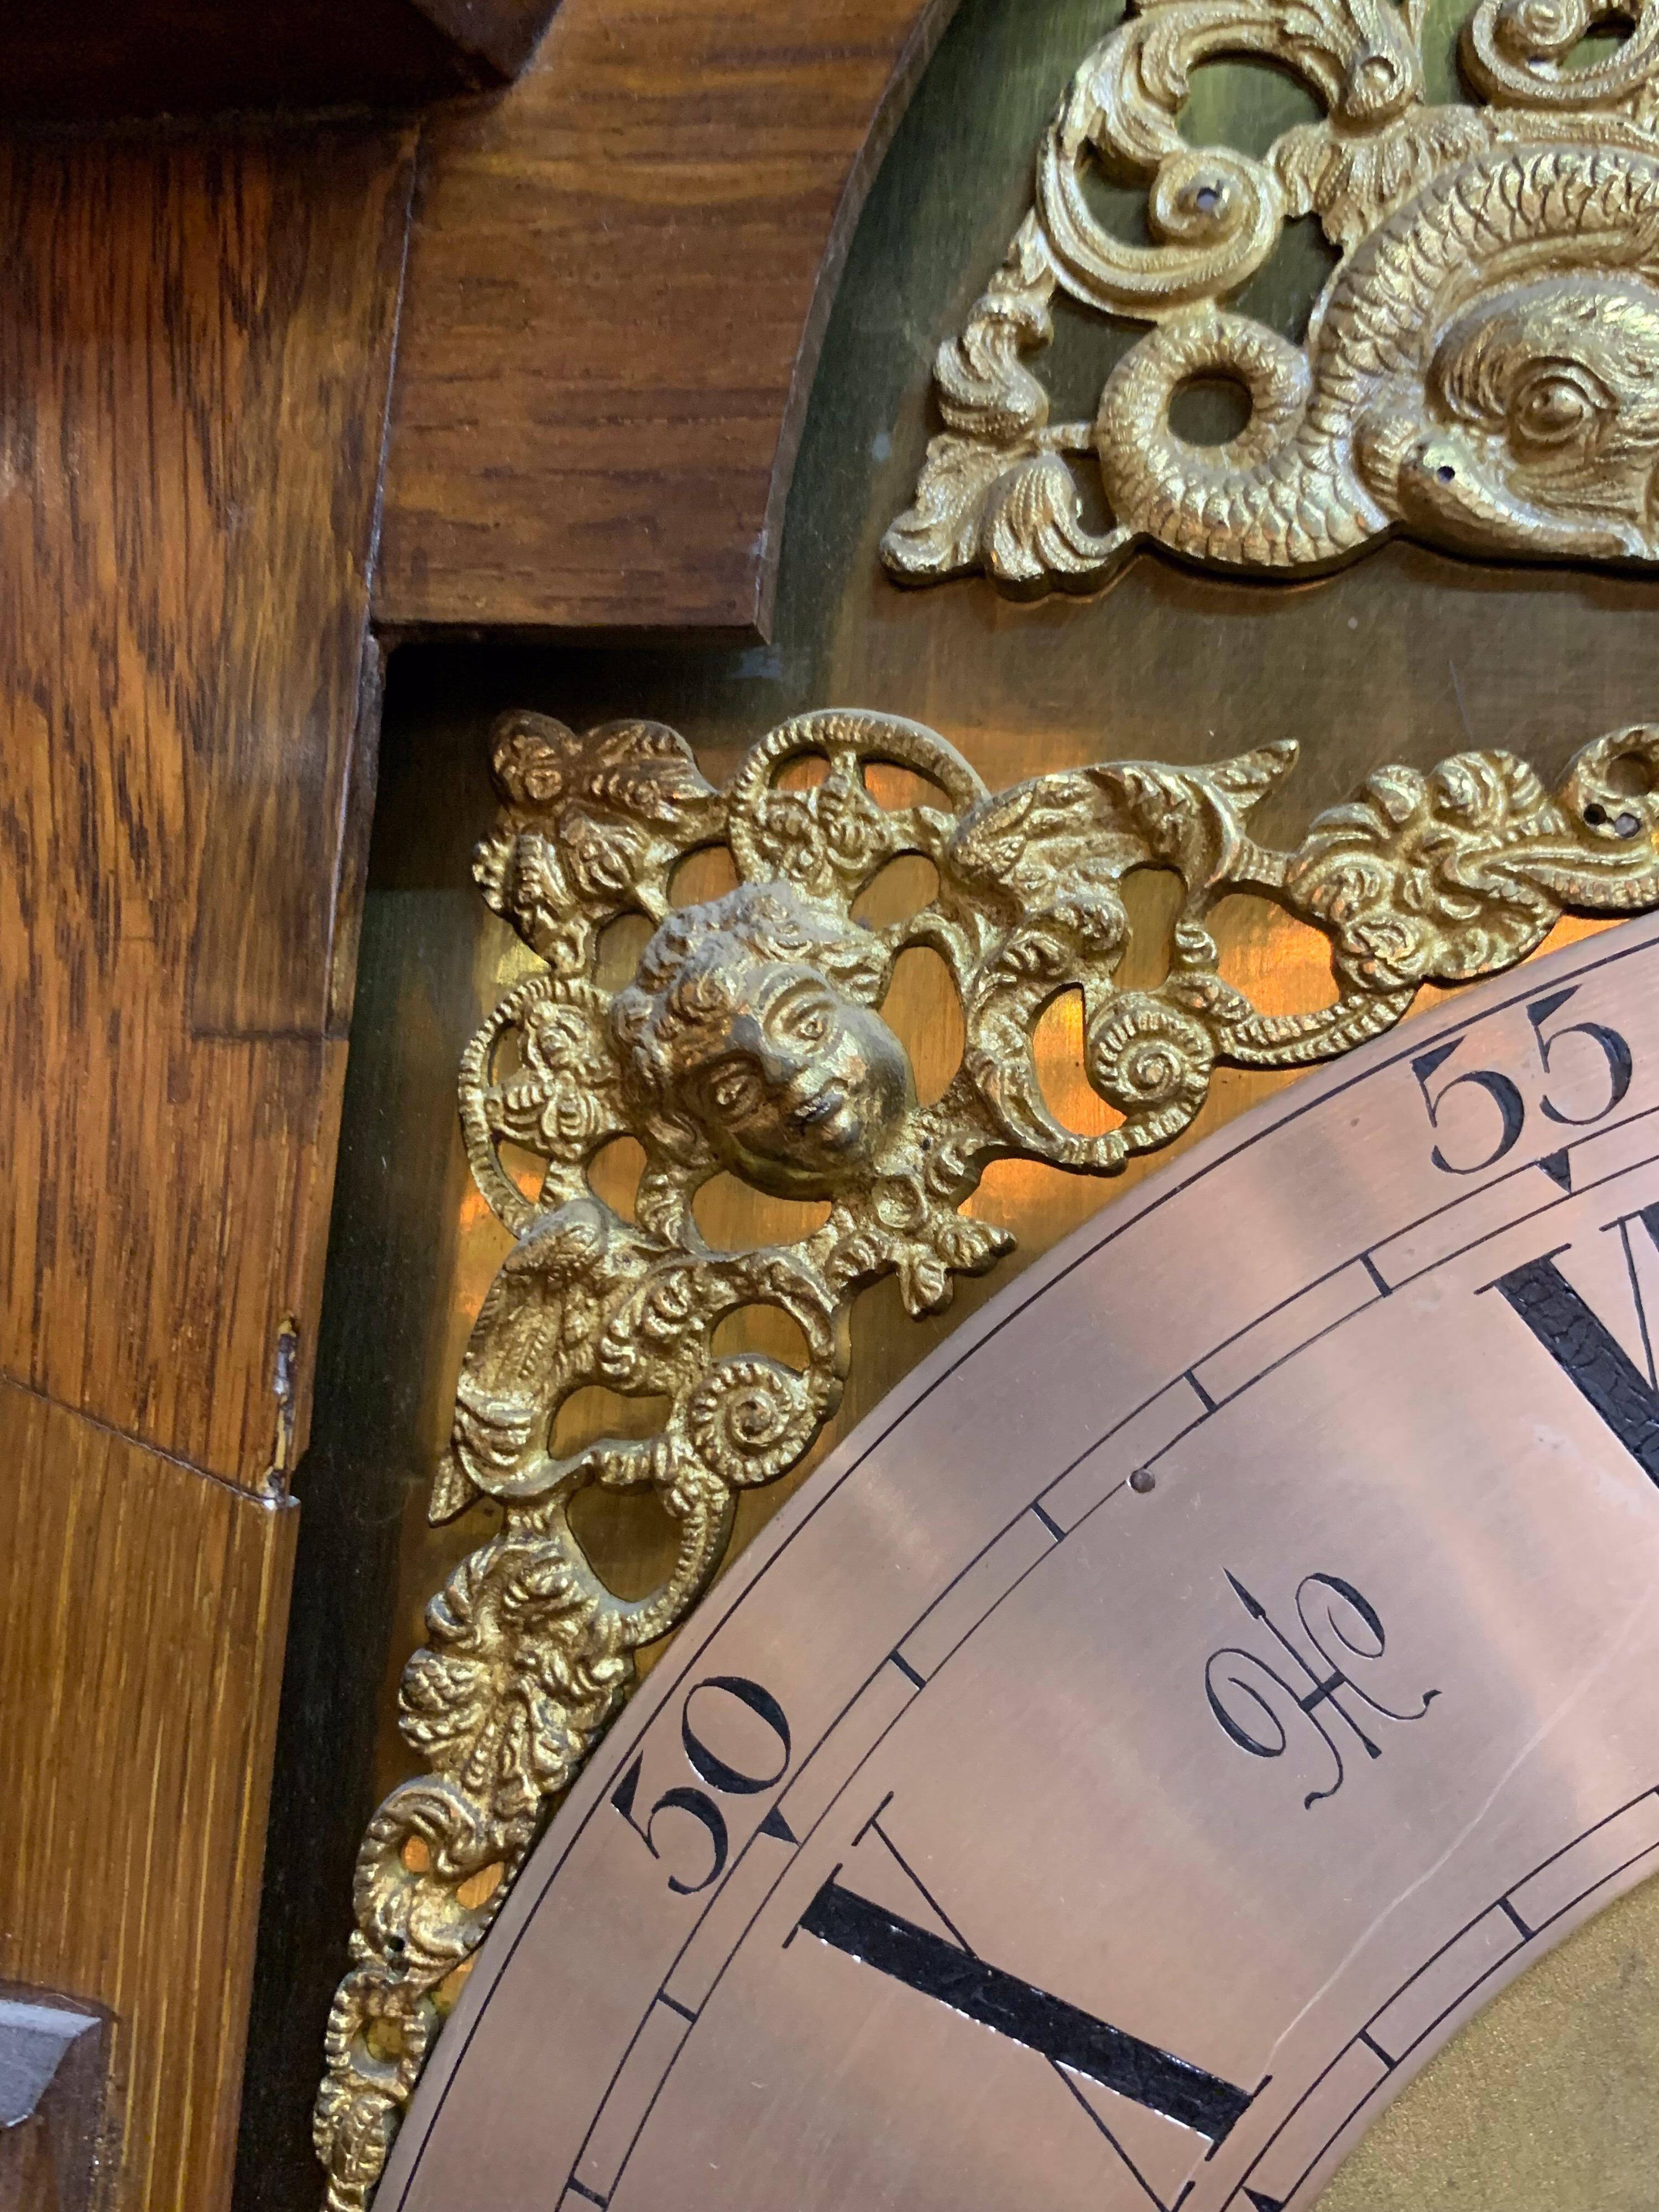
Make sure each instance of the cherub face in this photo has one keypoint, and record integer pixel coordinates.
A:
(801, 1087)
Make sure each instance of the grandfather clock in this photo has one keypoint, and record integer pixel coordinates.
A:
(830, 1249)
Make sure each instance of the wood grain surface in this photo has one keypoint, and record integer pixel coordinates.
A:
(618, 280)
(196, 339)
(73, 59)
(144, 1608)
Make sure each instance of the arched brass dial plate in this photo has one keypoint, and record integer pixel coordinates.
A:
(1216, 1670)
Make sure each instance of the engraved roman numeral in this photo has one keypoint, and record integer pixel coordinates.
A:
(1585, 1349)
(1061, 2031)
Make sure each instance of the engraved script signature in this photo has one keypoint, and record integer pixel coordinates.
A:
(1250, 1697)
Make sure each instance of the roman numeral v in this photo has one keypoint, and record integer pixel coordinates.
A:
(1586, 1350)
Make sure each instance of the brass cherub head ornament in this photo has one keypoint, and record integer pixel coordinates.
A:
(751, 1029)
(1481, 372)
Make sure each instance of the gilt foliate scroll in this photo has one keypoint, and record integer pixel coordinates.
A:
(1481, 372)
(751, 1041)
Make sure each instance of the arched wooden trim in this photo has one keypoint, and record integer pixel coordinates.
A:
(82, 60)
(618, 280)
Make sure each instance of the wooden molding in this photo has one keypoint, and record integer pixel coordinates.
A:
(619, 276)
(74, 60)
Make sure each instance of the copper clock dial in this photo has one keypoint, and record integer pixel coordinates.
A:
(1216, 1671)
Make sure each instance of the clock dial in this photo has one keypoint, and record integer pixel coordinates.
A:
(1214, 1672)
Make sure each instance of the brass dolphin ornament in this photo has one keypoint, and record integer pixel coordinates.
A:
(1481, 372)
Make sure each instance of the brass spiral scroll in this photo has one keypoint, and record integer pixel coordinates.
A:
(751, 1041)
(1480, 371)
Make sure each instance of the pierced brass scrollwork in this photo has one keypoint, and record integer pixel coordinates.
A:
(752, 1039)
(1481, 371)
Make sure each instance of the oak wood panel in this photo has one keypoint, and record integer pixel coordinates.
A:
(196, 339)
(195, 343)
(77, 58)
(619, 276)
(144, 1609)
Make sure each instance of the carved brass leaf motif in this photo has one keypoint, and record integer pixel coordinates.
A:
(1481, 370)
(751, 1042)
